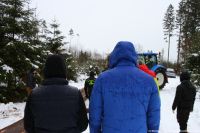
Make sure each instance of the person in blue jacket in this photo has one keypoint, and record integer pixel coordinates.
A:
(124, 99)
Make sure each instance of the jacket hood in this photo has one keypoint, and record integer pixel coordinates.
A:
(123, 53)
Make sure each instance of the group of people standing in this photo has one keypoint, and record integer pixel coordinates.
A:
(124, 99)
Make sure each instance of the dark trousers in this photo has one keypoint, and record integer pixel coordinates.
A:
(182, 117)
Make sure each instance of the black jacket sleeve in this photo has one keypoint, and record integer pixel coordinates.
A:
(177, 98)
(83, 120)
(28, 117)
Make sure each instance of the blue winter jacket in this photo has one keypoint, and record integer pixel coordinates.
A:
(124, 99)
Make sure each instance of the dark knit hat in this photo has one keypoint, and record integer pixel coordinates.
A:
(92, 74)
(185, 75)
(55, 67)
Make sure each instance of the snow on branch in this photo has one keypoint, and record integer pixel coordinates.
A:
(7, 68)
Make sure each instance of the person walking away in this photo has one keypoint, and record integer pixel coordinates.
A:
(124, 99)
(31, 80)
(89, 82)
(55, 106)
(184, 100)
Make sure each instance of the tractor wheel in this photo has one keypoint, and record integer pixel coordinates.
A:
(161, 77)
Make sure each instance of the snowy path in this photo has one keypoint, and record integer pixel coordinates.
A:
(168, 119)
(10, 113)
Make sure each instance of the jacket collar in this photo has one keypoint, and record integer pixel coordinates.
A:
(55, 81)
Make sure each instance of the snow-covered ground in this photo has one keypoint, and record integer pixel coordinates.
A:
(80, 82)
(10, 113)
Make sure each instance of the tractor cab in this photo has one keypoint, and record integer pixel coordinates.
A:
(150, 59)
(152, 62)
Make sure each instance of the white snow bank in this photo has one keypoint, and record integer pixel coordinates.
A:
(10, 113)
(80, 81)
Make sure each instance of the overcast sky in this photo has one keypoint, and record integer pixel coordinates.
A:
(102, 23)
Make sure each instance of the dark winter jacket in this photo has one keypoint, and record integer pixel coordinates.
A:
(124, 98)
(89, 83)
(185, 96)
(55, 107)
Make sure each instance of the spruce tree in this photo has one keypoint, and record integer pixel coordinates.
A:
(20, 47)
(169, 25)
(55, 39)
(71, 64)
(179, 27)
(189, 10)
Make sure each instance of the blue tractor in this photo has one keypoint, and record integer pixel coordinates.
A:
(151, 60)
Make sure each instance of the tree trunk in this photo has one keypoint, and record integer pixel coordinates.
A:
(168, 50)
(179, 48)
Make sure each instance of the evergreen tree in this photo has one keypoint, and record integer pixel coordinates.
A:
(189, 11)
(43, 40)
(72, 66)
(179, 24)
(18, 41)
(56, 45)
(193, 60)
(20, 47)
(55, 39)
(169, 25)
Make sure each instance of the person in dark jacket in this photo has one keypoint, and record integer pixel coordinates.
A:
(89, 82)
(55, 106)
(124, 98)
(31, 80)
(184, 100)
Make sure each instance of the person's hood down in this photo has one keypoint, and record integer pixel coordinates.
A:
(55, 67)
(123, 53)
